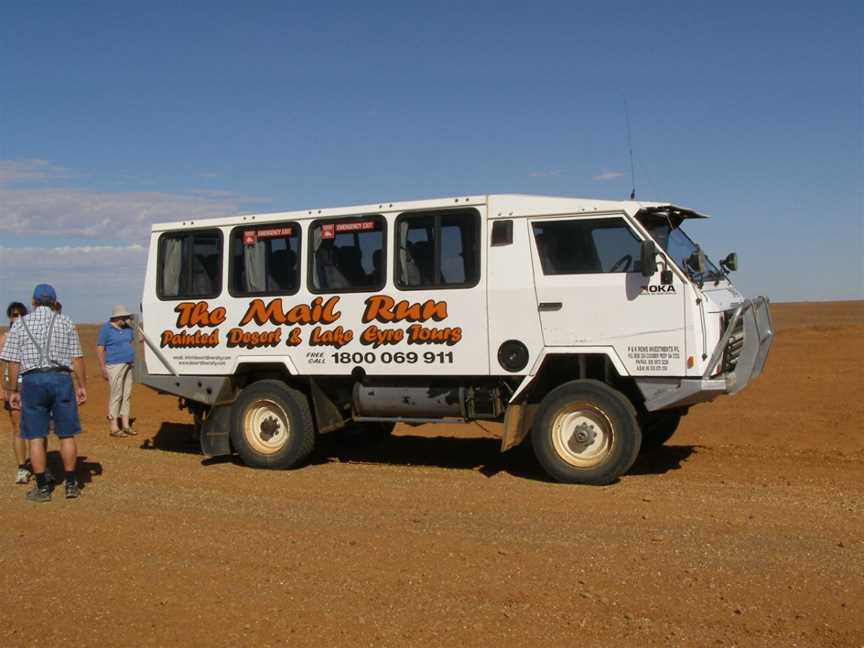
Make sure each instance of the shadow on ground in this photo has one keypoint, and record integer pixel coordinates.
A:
(479, 454)
(85, 470)
(663, 459)
(441, 452)
(407, 450)
(180, 437)
(174, 437)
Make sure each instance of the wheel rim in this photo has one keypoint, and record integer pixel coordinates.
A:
(582, 435)
(265, 426)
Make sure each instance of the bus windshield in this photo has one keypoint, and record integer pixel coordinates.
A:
(681, 248)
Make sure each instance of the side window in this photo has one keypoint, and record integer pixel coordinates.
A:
(587, 246)
(347, 255)
(435, 249)
(265, 259)
(189, 265)
(502, 233)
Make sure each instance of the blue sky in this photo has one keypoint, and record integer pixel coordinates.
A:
(114, 116)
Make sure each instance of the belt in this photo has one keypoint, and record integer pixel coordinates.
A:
(48, 370)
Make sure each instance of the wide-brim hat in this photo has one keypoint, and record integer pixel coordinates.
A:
(120, 311)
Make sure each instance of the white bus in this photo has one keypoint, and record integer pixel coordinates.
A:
(588, 326)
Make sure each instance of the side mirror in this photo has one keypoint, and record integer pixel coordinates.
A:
(648, 256)
(730, 263)
(696, 261)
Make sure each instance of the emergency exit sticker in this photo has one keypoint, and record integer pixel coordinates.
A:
(276, 231)
(330, 230)
(359, 226)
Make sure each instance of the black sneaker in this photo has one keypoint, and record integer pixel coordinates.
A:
(72, 491)
(39, 495)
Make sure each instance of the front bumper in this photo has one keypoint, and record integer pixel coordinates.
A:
(742, 350)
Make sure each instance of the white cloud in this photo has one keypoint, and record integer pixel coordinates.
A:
(544, 174)
(49, 210)
(88, 279)
(607, 175)
(67, 258)
(20, 171)
(118, 215)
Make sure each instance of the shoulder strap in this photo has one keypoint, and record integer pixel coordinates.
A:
(48, 339)
(44, 352)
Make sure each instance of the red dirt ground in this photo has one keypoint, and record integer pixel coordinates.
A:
(745, 530)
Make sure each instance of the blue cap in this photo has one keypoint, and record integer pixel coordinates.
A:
(44, 291)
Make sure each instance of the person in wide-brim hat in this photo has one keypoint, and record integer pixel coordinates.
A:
(120, 312)
(116, 354)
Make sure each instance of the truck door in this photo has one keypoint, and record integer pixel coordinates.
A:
(591, 293)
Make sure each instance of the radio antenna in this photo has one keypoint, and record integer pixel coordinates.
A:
(630, 147)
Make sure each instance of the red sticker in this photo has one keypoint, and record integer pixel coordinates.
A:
(359, 226)
(277, 231)
(328, 231)
(250, 237)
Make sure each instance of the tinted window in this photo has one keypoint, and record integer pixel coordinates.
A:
(437, 249)
(502, 233)
(587, 246)
(265, 259)
(347, 255)
(189, 265)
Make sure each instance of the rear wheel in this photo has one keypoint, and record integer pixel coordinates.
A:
(585, 432)
(272, 425)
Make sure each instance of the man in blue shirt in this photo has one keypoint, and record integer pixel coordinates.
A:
(116, 353)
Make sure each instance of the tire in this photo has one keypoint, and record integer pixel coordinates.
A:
(271, 425)
(585, 432)
(658, 428)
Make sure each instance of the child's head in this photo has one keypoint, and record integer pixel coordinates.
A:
(15, 310)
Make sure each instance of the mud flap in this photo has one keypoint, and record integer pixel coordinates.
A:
(517, 422)
(215, 432)
(327, 415)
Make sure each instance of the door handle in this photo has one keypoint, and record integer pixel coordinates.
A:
(549, 306)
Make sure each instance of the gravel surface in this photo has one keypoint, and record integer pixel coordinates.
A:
(746, 529)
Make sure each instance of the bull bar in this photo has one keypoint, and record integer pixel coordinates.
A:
(753, 317)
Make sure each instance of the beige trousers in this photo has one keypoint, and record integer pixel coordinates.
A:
(120, 383)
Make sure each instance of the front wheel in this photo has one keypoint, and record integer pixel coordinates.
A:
(271, 425)
(585, 432)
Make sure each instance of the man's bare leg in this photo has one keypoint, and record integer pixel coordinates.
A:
(37, 455)
(69, 452)
(19, 444)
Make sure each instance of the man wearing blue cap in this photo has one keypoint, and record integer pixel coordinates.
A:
(45, 348)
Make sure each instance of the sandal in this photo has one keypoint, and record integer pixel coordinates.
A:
(117, 433)
(129, 432)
